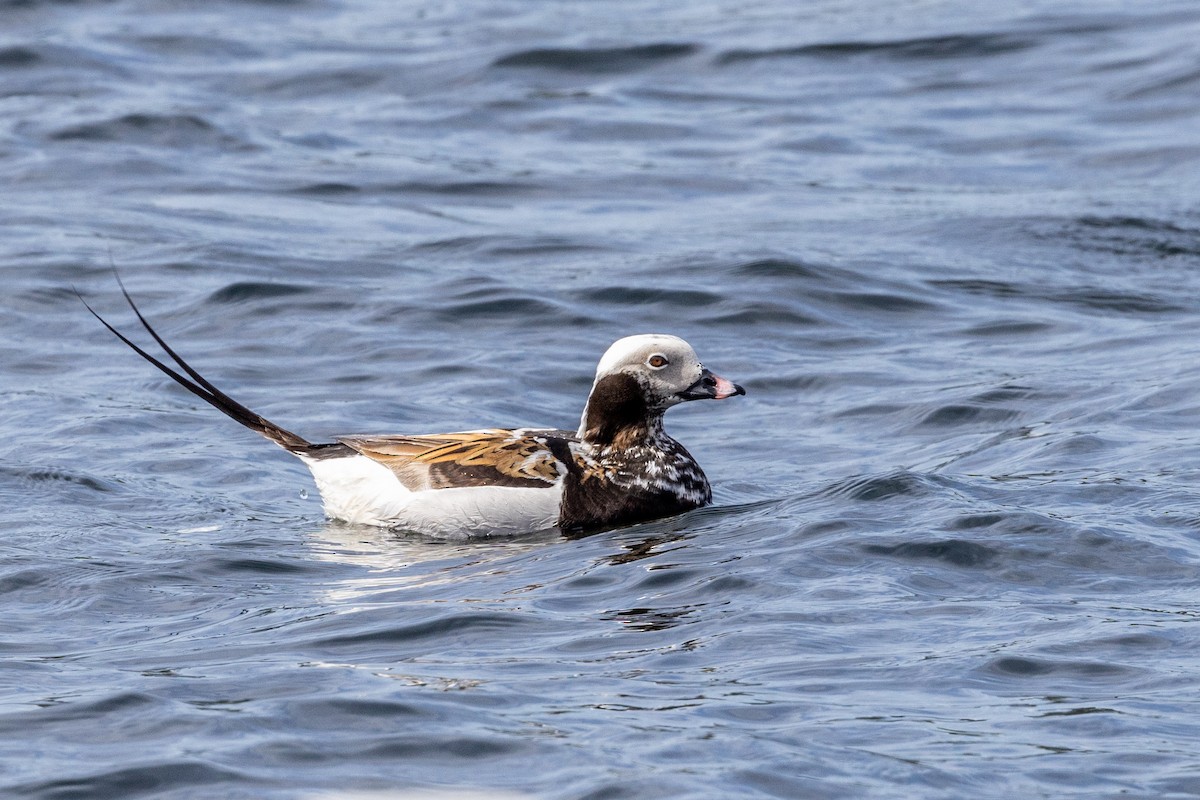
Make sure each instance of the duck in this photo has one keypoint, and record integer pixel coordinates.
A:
(619, 467)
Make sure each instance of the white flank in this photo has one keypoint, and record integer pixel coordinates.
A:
(359, 490)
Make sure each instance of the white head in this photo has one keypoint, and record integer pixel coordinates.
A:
(640, 377)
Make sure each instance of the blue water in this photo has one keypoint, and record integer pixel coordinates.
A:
(952, 252)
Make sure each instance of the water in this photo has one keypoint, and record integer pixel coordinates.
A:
(951, 251)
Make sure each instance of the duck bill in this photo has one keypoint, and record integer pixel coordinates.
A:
(711, 387)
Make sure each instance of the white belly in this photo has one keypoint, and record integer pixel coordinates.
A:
(359, 490)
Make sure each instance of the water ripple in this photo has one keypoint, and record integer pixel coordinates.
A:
(18, 57)
(955, 552)
(597, 60)
(964, 46)
(161, 776)
(443, 628)
(168, 131)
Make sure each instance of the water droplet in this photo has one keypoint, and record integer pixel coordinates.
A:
(304, 494)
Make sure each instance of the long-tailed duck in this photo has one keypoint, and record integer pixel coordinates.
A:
(620, 467)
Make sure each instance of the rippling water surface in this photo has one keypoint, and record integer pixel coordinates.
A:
(951, 251)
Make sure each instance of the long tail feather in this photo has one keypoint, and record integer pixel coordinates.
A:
(200, 386)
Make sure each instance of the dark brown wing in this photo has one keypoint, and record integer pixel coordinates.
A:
(518, 458)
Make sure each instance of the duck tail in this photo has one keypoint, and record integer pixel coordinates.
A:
(198, 385)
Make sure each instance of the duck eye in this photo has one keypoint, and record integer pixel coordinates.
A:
(657, 361)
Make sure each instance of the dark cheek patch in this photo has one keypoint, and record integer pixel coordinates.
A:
(616, 410)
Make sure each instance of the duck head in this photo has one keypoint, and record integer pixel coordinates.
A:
(638, 379)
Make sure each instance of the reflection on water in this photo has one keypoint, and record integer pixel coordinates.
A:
(389, 560)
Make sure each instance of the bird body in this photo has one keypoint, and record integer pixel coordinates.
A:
(619, 468)
(360, 490)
